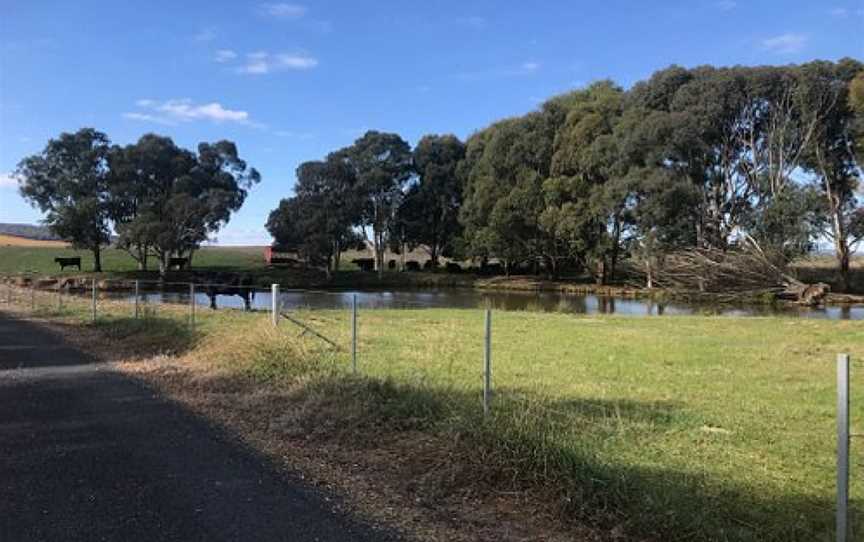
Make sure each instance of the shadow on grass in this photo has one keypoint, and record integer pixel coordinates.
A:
(552, 448)
(120, 338)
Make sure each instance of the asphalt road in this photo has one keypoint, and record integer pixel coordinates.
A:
(89, 454)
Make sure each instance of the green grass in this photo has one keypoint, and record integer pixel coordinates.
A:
(691, 428)
(247, 260)
(710, 428)
(15, 259)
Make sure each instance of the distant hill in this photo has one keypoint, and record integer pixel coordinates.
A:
(28, 231)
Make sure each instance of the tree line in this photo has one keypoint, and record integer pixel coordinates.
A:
(161, 200)
(701, 158)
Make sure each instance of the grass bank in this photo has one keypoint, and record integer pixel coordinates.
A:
(697, 428)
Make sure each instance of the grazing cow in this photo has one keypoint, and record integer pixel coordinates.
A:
(490, 269)
(68, 262)
(365, 264)
(227, 284)
(453, 267)
(412, 265)
(391, 265)
(429, 265)
(178, 263)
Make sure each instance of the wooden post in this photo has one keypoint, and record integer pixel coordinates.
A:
(137, 294)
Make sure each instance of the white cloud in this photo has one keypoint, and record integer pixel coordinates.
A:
(224, 55)
(262, 62)
(206, 34)
(8, 180)
(726, 5)
(839, 12)
(283, 10)
(172, 112)
(785, 43)
(530, 67)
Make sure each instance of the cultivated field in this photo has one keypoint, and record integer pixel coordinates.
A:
(15, 241)
(697, 428)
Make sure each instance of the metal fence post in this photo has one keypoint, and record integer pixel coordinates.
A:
(487, 363)
(842, 447)
(274, 304)
(93, 300)
(192, 304)
(137, 293)
(354, 333)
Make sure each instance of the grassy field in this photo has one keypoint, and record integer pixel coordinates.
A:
(685, 428)
(40, 259)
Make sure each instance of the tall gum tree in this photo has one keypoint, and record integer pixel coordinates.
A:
(68, 181)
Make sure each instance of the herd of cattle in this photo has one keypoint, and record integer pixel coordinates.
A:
(368, 264)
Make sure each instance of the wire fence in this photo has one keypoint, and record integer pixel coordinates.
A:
(518, 363)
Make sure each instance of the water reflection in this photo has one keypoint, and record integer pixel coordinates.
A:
(509, 301)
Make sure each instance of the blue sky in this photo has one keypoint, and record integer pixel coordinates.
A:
(289, 82)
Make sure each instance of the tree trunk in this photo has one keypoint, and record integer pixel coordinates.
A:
(845, 279)
(97, 259)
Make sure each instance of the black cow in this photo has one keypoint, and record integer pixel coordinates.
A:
(491, 269)
(239, 285)
(453, 267)
(68, 262)
(391, 265)
(365, 264)
(412, 265)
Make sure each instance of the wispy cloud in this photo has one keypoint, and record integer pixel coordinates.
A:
(205, 35)
(8, 180)
(785, 43)
(283, 10)
(172, 112)
(224, 55)
(726, 5)
(263, 62)
(839, 12)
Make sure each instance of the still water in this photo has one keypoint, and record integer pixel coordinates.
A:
(500, 300)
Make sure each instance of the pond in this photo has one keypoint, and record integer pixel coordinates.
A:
(501, 300)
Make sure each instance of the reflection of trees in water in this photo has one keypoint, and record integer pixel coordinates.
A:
(606, 305)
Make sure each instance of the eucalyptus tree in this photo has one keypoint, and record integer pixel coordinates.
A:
(68, 181)
(429, 213)
(832, 155)
(319, 220)
(381, 164)
(168, 200)
(586, 197)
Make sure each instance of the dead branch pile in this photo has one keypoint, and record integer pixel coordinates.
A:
(744, 272)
